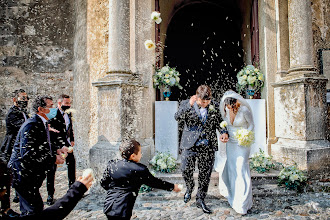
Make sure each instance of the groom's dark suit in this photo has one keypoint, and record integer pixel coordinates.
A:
(198, 142)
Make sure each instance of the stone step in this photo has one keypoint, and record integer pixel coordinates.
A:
(263, 185)
(269, 177)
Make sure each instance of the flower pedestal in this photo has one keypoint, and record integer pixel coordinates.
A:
(166, 128)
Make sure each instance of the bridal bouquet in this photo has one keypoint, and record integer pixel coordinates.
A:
(166, 76)
(244, 137)
(163, 162)
(292, 178)
(250, 76)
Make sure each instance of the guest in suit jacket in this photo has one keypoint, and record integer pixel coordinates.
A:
(201, 118)
(32, 156)
(61, 137)
(123, 179)
(16, 116)
(60, 209)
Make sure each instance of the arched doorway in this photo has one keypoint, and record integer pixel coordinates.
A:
(203, 42)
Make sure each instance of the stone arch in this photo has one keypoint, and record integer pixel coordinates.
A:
(203, 40)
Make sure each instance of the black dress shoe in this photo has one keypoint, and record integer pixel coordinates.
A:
(16, 199)
(50, 200)
(187, 197)
(201, 204)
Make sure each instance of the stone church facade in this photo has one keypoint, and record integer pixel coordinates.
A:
(94, 51)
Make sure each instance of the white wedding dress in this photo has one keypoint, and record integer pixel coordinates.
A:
(234, 177)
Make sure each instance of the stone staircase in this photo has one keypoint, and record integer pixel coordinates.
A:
(263, 185)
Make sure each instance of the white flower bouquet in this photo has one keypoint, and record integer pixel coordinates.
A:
(250, 76)
(261, 163)
(292, 178)
(163, 162)
(167, 77)
(244, 137)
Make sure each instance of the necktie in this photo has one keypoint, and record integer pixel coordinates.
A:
(48, 138)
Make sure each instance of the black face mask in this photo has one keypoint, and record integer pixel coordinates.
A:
(65, 107)
(22, 104)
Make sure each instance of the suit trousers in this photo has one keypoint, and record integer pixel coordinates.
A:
(71, 164)
(205, 162)
(30, 201)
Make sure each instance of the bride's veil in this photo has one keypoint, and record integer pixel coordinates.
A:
(232, 94)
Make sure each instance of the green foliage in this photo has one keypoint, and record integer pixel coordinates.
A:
(250, 76)
(260, 162)
(167, 77)
(144, 189)
(163, 162)
(292, 178)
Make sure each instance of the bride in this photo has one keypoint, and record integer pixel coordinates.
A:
(234, 178)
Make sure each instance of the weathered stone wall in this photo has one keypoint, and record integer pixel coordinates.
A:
(321, 26)
(36, 49)
(90, 63)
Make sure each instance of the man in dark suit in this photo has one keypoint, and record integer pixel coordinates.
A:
(16, 116)
(62, 122)
(32, 156)
(201, 118)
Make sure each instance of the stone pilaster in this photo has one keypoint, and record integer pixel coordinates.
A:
(300, 99)
(119, 93)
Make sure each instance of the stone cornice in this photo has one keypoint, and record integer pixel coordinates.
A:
(302, 80)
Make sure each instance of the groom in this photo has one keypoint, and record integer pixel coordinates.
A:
(201, 117)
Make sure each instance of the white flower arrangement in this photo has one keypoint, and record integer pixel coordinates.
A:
(163, 162)
(149, 45)
(166, 76)
(260, 162)
(250, 76)
(223, 124)
(292, 178)
(156, 17)
(244, 137)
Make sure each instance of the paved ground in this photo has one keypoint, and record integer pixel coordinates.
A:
(270, 202)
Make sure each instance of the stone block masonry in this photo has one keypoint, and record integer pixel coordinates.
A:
(36, 49)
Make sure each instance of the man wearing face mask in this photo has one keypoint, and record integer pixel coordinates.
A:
(16, 116)
(32, 156)
(61, 121)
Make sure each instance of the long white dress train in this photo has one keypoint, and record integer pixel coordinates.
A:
(235, 178)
